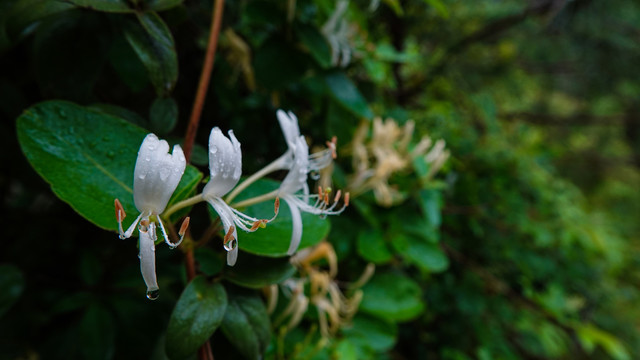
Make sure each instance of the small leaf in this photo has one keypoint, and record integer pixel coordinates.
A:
(97, 333)
(275, 238)
(345, 92)
(372, 247)
(153, 42)
(392, 297)
(256, 271)
(197, 315)
(163, 115)
(372, 333)
(316, 43)
(160, 5)
(427, 256)
(431, 202)
(209, 261)
(114, 6)
(24, 13)
(247, 325)
(440, 7)
(11, 287)
(88, 158)
(345, 350)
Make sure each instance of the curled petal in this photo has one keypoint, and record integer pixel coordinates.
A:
(148, 254)
(297, 176)
(157, 174)
(290, 129)
(296, 233)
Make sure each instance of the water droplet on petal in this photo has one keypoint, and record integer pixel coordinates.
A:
(164, 173)
(213, 149)
(142, 176)
(147, 159)
(236, 173)
(153, 294)
(225, 174)
(231, 245)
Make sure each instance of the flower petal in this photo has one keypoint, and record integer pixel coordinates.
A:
(297, 176)
(148, 256)
(296, 233)
(289, 125)
(157, 174)
(225, 163)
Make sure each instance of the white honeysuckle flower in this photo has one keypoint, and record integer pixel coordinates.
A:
(338, 32)
(296, 182)
(225, 165)
(155, 178)
(291, 130)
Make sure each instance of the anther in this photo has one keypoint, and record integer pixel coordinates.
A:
(256, 225)
(338, 194)
(229, 236)
(332, 145)
(184, 226)
(346, 199)
(276, 205)
(120, 214)
(320, 193)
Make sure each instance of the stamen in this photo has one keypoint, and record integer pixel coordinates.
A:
(256, 225)
(276, 205)
(338, 194)
(346, 199)
(120, 214)
(229, 236)
(144, 225)
(320, 193)
(184, 226)
(332, 146)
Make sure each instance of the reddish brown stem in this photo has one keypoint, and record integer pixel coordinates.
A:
(205, 76)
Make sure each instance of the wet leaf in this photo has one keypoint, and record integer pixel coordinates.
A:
(247, 325)
(88, 158)
(197, 315)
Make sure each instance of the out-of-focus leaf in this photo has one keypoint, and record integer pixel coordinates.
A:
(345, 92)
(345, 350)
(127, 64)
(88, 158)
(70, 54)
(122, 113)
(590, 337)
(97, 333)
(395, 6)
(275, 238)
(11, 287)
(153, 42)
(163, 115)
(431, 202)
(246, 325)
(372, 247)
(160, 5)
(257, 271)
(372, 333)
(393, 297)
(316, 43)
(114, 6)
(427, 256)
(440, 7)
(197, 314)
(276, 63)
(211, 262)
(24, 13)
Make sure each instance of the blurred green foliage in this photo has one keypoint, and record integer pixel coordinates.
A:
(524, 246)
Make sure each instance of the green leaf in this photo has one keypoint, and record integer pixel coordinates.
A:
(393, 297)
(431, 202)
(277, 63)
(209, 261)
(163, 115)
(153, 42)
(275, 238)
(160, 5)
(247, 325)
(345, 92)
(197, 314)
(427, 256)
(256, 271)
(11, 287)
(122, 113)
(345, 350)
(440, 7)
(97, 333)
(26, 12)
(127, 65)
(88, 158)
(113, 6)
(372, 247)
(372, 333)
(316, 43)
